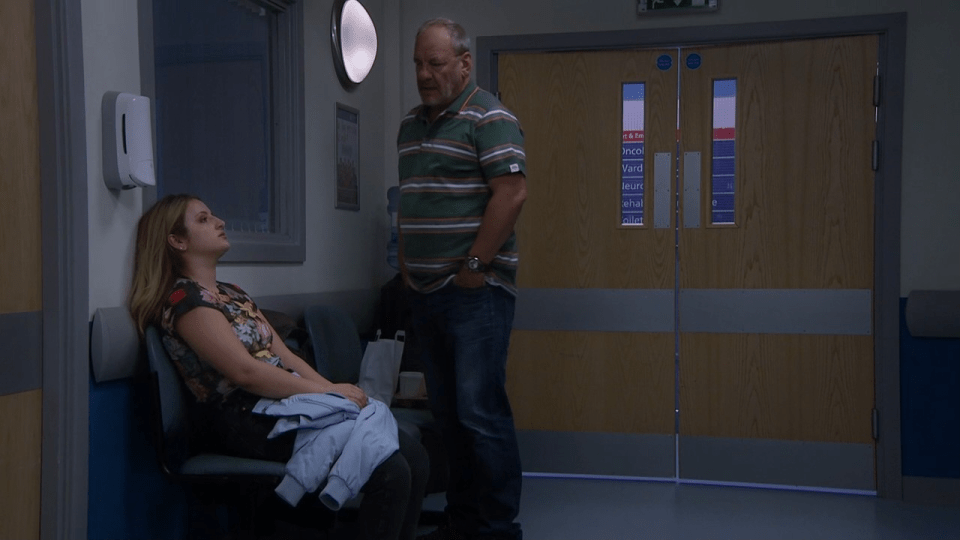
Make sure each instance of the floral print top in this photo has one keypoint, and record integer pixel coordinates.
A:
(206, 383)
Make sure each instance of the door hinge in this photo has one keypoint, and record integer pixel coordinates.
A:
(498, 94)
(875, 159)
(876, 424)
(876, 90)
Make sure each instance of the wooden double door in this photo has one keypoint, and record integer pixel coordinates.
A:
(725, 334)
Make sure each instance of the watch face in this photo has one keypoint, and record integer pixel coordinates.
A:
(473, 264)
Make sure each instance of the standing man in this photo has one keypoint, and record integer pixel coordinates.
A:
(462, 184)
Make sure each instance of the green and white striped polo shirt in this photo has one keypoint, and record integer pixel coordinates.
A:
(445, 169)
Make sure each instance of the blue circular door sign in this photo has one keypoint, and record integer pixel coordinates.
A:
(664, 62)
(693, 60)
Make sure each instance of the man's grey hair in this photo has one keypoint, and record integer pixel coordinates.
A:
(458, 36)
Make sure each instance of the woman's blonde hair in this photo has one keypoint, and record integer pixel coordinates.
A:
(156, 265)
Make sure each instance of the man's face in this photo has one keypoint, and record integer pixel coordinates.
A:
(441, 73)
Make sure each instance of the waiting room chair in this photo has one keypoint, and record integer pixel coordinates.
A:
(221, 478)
(172, 429)
(338, 353)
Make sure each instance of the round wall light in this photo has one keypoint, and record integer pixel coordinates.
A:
(354, 41)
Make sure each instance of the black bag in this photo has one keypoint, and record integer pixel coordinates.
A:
(393, 314)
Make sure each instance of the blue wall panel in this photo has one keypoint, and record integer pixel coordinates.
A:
(929, 404)
(129, 498)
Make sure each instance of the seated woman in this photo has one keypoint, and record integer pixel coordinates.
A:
(230, 357)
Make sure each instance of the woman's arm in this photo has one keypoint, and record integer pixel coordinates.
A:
(294, 362)
(210, 335)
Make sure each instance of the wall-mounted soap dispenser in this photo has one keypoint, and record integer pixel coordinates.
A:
(127, 141)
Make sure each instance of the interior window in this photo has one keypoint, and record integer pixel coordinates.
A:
(226, 103)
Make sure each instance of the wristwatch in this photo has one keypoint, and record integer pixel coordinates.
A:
(474, 264)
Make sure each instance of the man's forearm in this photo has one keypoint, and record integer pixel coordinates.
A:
(500, 216)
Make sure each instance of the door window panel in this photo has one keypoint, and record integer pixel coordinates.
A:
(631, 160)
(722, 174)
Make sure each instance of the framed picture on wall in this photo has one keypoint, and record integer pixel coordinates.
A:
(348, 157)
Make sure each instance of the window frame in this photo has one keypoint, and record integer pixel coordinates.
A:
(287, 174)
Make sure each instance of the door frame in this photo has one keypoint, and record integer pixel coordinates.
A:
(64, 248)
(892, 32)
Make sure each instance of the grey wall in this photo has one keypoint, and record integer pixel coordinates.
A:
(930, 246)
(346, 250)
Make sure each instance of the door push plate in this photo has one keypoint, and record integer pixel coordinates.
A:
(662, 171)
(691, 190)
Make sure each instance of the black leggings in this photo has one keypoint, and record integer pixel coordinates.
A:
(392, 496)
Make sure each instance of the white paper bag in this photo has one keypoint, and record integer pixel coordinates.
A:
(380, 367)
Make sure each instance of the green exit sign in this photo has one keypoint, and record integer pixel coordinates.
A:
(676, 6)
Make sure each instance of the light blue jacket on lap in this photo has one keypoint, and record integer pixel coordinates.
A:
(337, 443)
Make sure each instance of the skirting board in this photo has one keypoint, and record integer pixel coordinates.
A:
(845, 466)
(795, 464)
(600, 454)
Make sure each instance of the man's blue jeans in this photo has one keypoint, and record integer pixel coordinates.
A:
(464, 335)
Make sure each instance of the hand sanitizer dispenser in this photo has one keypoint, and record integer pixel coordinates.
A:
(127, 141)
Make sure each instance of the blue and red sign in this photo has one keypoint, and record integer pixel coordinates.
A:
(631, 155)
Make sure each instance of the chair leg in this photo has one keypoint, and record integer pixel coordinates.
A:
(309, 520)
(227, 513)
(432, 517)
(206, 518)
(258, 519)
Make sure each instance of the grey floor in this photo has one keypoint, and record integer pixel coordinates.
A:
(595, 509)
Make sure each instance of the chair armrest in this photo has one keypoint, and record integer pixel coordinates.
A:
(409, 428)
(216, 464)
